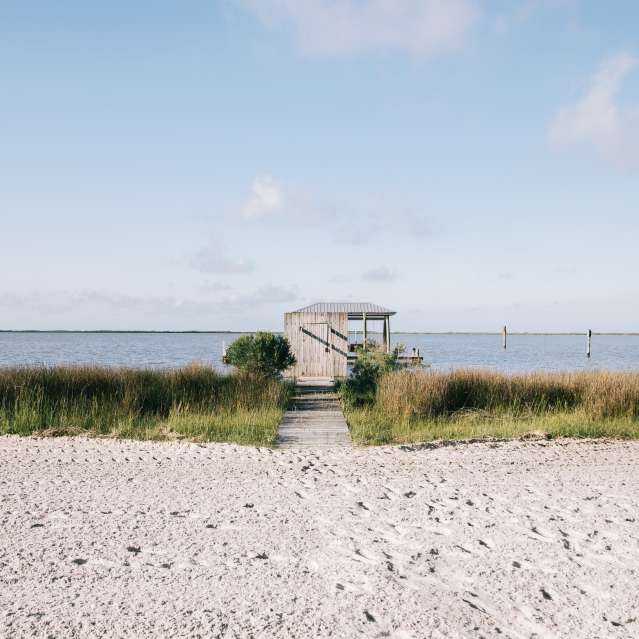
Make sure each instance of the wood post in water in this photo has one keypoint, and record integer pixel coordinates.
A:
(588, 342)
(504, 334)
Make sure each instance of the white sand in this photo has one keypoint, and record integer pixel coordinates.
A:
(515, 539)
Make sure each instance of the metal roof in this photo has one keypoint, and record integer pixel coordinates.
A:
(355, 310)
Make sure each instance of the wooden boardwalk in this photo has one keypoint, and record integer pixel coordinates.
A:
(314, 418)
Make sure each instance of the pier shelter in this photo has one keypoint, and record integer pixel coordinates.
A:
(319, 336)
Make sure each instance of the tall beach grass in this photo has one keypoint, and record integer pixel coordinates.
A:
(413, 406)
(193, 402)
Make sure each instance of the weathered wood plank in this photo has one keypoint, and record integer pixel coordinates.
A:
(314, 419)
(319, 342)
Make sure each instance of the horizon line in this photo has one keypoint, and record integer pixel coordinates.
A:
(234, 332)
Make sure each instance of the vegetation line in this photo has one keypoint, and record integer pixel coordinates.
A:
(398, 406)
(193, 402)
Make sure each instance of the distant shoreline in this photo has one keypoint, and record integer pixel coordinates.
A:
(106, 331)
(218, 332)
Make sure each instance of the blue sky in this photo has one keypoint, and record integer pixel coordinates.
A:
(210, 165)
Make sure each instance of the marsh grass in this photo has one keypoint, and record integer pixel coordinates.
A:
(193, 402)
(414, 406)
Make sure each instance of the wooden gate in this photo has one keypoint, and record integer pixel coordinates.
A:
(317, 360)
(319, 342)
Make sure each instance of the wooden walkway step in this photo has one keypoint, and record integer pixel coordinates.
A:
(314, 418)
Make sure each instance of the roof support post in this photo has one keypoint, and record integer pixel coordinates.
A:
(387, 334)
(384, 336)
(365, 333)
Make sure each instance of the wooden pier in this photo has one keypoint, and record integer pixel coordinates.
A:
(314, 418)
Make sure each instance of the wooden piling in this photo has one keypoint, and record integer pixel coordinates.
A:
(588, 342)
(504, 334)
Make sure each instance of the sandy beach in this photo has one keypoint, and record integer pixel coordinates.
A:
(108, 538)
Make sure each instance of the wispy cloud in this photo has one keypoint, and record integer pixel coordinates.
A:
(522, 12)
(346, 27)
(214, 287)
(403, 225)
(214, 259)
(381, 274)
(57, 302)
(270, 201)
(410, 223)
(598, 119)
(268, 294)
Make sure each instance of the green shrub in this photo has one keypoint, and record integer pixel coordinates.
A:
(263, 354)
(361, 387)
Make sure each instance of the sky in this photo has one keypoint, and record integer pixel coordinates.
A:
(210, 165)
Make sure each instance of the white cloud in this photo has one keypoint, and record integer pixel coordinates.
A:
(343, 27)
(266, 198)
(270, 200)
(598, 119)
(382, 274)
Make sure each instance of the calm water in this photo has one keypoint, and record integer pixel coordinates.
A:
(159, 350)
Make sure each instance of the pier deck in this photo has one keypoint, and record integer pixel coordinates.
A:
(314, 417)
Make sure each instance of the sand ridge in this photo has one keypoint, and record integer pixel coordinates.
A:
(111, 538)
